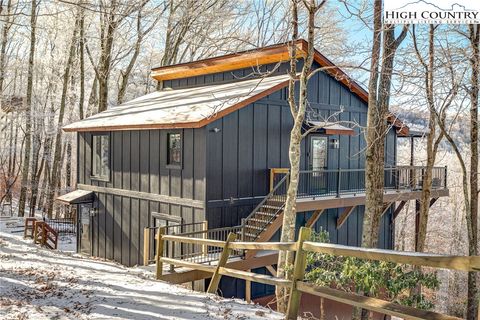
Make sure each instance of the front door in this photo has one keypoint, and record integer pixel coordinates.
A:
(84, 230)
(317, 162)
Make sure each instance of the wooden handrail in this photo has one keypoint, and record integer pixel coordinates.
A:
(373, 304)
(298, 286)
(462, 263)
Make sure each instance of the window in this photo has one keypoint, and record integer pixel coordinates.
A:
(174, 151)
(318, 149)
(101, 157)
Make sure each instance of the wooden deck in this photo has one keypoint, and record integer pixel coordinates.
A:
(357, 199)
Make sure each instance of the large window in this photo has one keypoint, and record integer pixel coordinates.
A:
(101, 157)
(174, 151)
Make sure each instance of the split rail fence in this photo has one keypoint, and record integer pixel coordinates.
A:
(296, 285)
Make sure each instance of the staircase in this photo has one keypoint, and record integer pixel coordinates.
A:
(266, 218)
(41, 232)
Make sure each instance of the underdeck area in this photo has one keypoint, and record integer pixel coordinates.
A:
(317, 192)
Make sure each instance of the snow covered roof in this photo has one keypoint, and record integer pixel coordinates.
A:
(331, 127)
(181, 108)
(77, 196)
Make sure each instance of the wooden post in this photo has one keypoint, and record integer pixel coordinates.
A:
(298, 273)
(248, 290)
(212, 288)
(205, 236)
(158, 256)
(146, 246)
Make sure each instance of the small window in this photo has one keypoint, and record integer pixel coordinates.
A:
(174, 152)
(101, 157)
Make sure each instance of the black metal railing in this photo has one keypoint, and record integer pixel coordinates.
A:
(351, 181)
(63, 225)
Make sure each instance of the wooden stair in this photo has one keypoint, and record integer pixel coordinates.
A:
(265, 220)
(41, 232)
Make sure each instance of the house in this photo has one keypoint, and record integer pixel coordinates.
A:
(212, 145)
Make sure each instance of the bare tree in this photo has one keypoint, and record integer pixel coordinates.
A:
(297, 110)
(28, 117)
(383, 53)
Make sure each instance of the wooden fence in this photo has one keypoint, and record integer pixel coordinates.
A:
(298, 286)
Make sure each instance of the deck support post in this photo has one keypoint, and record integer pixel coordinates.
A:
(212, 288)
(248, 290)
(205, 236)
(146, 246)
(158, 256)
(298, 274)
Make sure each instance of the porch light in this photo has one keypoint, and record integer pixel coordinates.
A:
(334, 143)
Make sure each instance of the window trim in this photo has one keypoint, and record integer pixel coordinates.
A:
(174, 166)
(92, 175)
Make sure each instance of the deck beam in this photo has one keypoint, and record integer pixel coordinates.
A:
(312, 204)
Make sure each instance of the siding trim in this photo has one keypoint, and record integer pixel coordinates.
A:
(144, 196)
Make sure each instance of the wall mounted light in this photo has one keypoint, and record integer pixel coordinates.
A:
(334, 143)
(93, 212)
(215, 130)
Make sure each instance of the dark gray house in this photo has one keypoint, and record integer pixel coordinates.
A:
(207, 147)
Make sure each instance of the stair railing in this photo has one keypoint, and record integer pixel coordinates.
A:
(270, 195)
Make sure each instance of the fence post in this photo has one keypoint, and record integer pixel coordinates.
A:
(212, 288)
(158, 256)
(298, 273)
(445, 183)
(146, 246)
(205, 236)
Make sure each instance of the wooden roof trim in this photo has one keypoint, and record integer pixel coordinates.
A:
(184, 125)
(234, 61)
(402, 128)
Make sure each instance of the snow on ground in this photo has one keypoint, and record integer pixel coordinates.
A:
(37, 283)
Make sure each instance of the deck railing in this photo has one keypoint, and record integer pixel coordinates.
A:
(340, 182)
(297, 285)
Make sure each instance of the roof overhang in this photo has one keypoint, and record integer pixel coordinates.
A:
(402, 128)
(254, 58)
(76, 197)
(330, 128)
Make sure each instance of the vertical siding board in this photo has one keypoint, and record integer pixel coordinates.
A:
(214, 163)
(259, 149)
(88, 157)
(230, 155)
(200, 158)
(154, 163)
(164, 172)
(274, 136)
(101, 225)
(134, 231)
(117, 228)
(144, 155)
(126, 223)
(135, 161)
(286, 127)
(188, 164)
(81, 157)
(245, 152)
(109, 227)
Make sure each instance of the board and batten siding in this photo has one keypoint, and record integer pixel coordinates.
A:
(138, 163)
(244, 145)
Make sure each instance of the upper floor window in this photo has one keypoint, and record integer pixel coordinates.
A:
(101, 157)
(174, 150)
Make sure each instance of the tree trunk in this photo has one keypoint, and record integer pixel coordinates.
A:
(28, 119)
(472, 303)
(55, 174)
(285, 258)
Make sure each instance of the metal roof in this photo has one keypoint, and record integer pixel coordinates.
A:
(181, 108)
